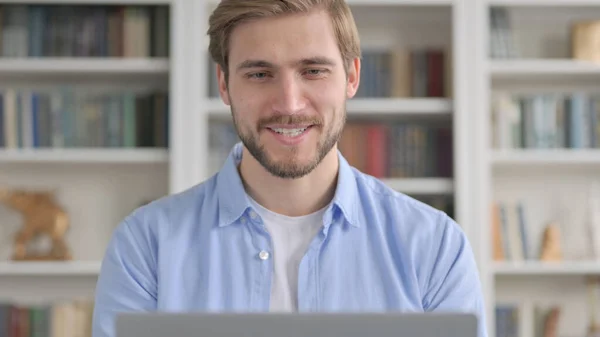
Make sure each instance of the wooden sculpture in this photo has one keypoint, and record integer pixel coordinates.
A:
(593, 327)
(585, 37)
(551, 248)
(41, 216)
(551, 323)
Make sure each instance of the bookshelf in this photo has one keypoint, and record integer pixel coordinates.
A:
(534, 165)
(99, 115)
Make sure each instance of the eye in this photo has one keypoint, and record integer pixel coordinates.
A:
(257, 75)
(315, 72)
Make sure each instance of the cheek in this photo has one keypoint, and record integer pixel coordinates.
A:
(329, 105)
(247, 103)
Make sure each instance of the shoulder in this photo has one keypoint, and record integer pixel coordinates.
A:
(163, 215)
(426, 240)
(412, 220)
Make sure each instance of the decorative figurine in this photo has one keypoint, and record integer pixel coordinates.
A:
(551, 248)
(593, 327)
(41, 216)
(551, 323)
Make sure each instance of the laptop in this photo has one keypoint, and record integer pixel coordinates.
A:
(296, 325)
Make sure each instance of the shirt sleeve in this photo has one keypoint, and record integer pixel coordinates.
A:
(454, 284)
(127, 279)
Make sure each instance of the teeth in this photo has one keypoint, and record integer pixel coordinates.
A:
(290, 132)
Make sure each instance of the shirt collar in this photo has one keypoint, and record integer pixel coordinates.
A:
(233, 201)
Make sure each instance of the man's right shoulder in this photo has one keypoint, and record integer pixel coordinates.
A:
(179, 209)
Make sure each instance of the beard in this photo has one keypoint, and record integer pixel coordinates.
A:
(292, 168)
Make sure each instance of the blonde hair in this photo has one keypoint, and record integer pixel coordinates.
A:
(230, 13)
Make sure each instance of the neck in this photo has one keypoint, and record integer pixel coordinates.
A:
(290, 197)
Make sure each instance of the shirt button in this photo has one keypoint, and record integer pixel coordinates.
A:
(263, 255)
(243, 220)
(253, 215)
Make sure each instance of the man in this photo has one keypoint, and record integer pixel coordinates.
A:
(287, 225)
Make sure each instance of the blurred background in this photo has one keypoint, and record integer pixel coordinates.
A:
(486, 109)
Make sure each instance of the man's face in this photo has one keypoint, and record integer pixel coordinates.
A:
(287, 90)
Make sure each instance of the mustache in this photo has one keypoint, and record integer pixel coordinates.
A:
(289, 119)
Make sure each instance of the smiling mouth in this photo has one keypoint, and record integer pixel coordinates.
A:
(290, 132)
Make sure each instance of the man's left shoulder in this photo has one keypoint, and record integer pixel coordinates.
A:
(401, 211)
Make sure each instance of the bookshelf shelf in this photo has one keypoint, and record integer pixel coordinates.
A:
(83, 156)
(429, 186)
(373, 3)
(546, 67)
(83, 66)
(92, 2)
(547, 157)
(543, 3)
(400, 2)
(67, 268)
(527, 79)
(547, 268)
(366, 107)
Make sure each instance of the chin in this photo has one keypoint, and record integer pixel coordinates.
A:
(285, 160)
(289, 163)
(291, 156)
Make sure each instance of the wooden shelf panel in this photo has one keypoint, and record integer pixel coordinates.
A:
(400, 2)
(373, 3)
(543, 67)
(428, 186)
(84, 155)
(544, 3)
(68, 268)
(91, 2)
(547, 157)
(547, 268)
(372, 107)
(83, 66)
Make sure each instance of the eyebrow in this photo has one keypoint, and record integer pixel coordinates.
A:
(317, 60)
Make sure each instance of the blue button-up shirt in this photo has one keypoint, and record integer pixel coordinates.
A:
(198, 250)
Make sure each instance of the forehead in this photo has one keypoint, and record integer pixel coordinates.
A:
(284, 39)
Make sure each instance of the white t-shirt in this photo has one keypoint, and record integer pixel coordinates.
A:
(291, 237)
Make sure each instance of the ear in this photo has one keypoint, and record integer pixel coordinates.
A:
(222, 85)
(353, 78)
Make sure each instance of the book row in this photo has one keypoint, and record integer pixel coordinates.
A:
(502, 43)
(84, 31)
(546, 120)
(398, 150)
(381, 150)
(404, 73)
(391, 73)
(510, 235)
(509, 322)
(69, 118)
(59, 319)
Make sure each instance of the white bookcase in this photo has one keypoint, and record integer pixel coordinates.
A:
(552, 183)
(100, 186)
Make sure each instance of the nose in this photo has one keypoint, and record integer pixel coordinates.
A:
(289, 95)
